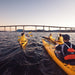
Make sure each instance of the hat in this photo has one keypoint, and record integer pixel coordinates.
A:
(22, 34)
(66, 37)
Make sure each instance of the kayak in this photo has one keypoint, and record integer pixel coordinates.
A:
(23, 45)
(69, 69)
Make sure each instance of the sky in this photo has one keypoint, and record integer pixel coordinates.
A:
(37, 12)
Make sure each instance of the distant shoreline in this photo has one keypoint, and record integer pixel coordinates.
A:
(20, 30)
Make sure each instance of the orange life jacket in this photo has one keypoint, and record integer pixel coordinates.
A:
(68, 57)
(71, 50)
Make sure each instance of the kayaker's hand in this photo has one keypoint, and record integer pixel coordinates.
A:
(56, 45)
(57, 52)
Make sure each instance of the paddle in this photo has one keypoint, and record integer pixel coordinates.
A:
(29, 34)
(50, 40)
(46, 38)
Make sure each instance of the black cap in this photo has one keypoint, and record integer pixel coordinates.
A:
(22, 34)
(66, 37)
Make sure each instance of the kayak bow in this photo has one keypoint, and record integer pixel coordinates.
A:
(69, 69)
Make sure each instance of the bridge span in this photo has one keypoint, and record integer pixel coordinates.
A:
(35, 27)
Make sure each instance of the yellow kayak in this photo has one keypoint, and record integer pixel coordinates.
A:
(69, 69)
(23, 45)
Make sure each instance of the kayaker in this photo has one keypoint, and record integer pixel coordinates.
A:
(67, 49)
(22, 39)
(60, 39)
(51, 38)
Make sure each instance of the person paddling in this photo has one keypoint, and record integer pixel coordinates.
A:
(60, 39)
(67, 49)
(51, 38)
(22, 39)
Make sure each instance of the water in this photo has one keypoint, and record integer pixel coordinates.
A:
(32, 61)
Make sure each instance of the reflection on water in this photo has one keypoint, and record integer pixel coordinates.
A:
(32, 61)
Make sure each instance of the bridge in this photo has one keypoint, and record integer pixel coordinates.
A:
(44, 27)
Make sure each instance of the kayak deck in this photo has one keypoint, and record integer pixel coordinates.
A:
(69, 69)
(23, 45)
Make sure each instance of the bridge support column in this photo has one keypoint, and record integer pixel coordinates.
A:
(43, 28)
(71, 29)
(23, 28)
(15, 28)
(4, 28)
(49, 28)
(65, 28)
(35, 28)
(10, 28)
(60, 28)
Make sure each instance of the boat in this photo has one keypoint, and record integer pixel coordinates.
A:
(67, 68)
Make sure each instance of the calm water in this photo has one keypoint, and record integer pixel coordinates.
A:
(32, 61)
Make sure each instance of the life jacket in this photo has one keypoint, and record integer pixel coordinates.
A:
(22, 40)
(70, 52)
(60, 40)
(51, 38)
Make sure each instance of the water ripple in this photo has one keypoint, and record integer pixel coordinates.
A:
(34, 60)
